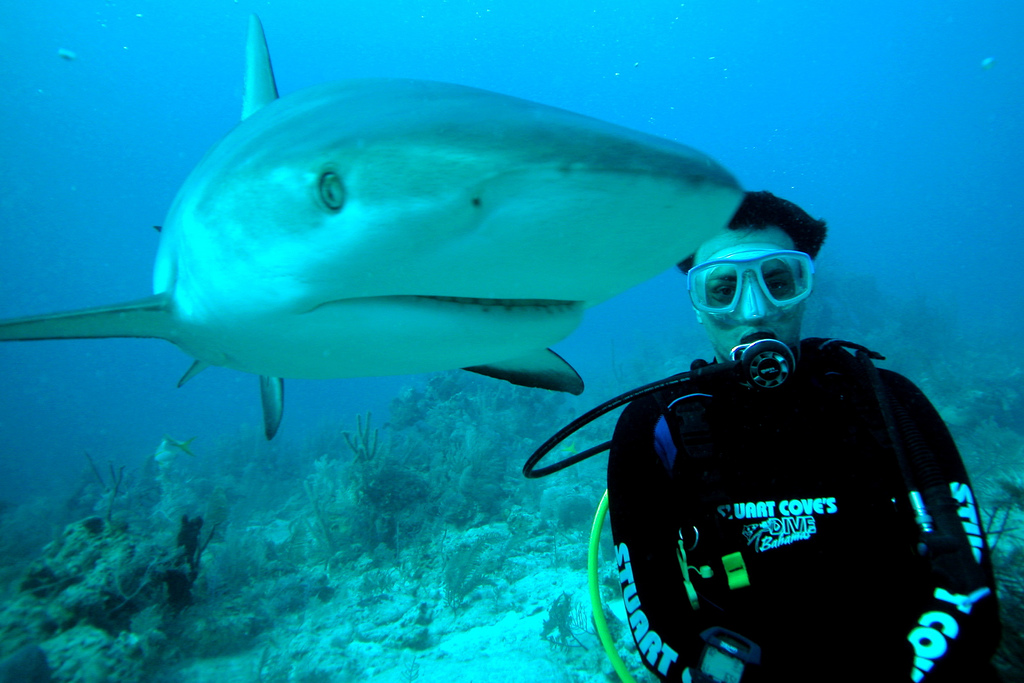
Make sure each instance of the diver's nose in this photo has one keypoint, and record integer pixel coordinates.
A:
(753, 305)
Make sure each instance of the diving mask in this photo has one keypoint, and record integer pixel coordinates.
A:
(751, 283)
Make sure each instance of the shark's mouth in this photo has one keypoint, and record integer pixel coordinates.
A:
(520, 309)
(483, 303)
(550, 304)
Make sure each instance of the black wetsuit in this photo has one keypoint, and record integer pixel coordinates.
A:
(800, 481)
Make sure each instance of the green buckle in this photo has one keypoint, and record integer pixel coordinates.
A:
(735, 571)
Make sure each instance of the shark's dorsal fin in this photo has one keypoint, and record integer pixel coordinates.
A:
(272, 396)
(542, 369)
(259, 87)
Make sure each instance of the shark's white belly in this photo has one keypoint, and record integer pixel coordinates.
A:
(381, 336)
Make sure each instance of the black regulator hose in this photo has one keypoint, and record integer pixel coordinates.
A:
(530, 470)
(764, 364)
(926, 470)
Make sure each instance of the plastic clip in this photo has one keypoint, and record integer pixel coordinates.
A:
(704, 572)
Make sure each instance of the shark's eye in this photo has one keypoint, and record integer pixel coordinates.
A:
(332, 191)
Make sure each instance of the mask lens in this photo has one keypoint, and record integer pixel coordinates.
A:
(719, 287)
(784, 279)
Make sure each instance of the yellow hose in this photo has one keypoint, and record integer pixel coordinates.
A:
(595, 594)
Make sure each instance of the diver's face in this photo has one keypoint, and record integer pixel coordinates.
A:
(754, 318)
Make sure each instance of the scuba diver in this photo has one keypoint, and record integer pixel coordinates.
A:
(788, 512)
(807, 520)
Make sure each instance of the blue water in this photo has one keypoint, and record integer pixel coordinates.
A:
(878, 116)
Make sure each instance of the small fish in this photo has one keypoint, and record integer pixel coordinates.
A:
(66, 54)
(169, 449)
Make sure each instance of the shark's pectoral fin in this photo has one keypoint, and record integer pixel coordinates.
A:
(149, 317)
(542, 369)
(272, 396)
(259, 88)
(193, 370)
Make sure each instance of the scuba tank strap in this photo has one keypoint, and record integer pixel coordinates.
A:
(827, 344)
(682, 427)
(942, 539)
(690, 425)
(859, 363)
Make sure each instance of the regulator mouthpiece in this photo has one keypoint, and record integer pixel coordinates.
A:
(764, 364)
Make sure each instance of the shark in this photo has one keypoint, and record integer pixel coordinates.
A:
(386, 226)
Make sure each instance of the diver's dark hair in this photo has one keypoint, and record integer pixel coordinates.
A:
(760, 210)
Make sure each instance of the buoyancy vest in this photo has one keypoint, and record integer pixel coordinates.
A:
(787, 514)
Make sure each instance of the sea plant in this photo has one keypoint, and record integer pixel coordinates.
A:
(562, 627)
(1000, 518)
